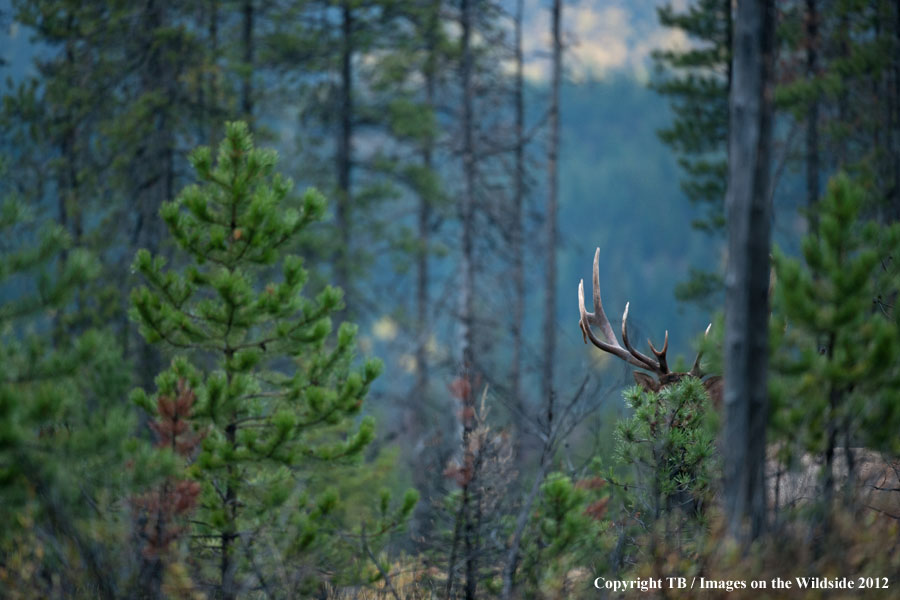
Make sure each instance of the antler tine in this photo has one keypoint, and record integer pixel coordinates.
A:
(661, 354)
(648, 363)
(695, 370)
(598, 317)
(613, 348)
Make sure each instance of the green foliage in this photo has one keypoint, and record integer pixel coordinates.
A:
(669, 446)
(854, 46)
(567, 533)
(67, 451)
(81, 131)
(697, 81)
(277, 390)
(835, 331)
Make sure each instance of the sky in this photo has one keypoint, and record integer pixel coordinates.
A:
(599, 36)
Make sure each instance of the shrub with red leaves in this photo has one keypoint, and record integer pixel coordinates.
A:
(162, 508)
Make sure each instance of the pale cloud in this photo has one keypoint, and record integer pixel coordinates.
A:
(599, 35)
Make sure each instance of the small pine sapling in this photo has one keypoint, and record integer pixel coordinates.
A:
(279, 393)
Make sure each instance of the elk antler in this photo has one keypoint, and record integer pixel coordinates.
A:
(629, 354)
(695, 370)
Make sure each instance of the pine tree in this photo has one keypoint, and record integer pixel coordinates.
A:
(99, 121)
(66, 434)
(837, 336)
(839, 79)
(669, 443)
(698, 81)
(51, 123)
(567, 532)
(279, 391)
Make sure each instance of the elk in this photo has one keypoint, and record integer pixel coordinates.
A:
(658, 366)
(876, 480)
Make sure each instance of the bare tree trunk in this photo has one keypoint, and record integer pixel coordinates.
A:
(466, 291)
(831, 430)
(729, 12)
(227, 564)
(424, 229)
(247, 83)
(895, 110)
(748, 209)
(812, 117)
(551, 231)
(512, 554)
(467, 205)
(67, 179)
(69, 201)
(154, 159)
(518, 249)
(344, 156)
(213, 106)
(843, 101)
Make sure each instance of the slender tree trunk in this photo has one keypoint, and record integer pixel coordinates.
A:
(729, 40)
(65, 179)
(895, 96)
(729, 37)
(551, 226)
(203, 17)
(466, 305)
(422, 274)
(876, 81)
(344, 156)
(227, 565)
(422, 280)
(471, 533)
(228, 535)
(812, 117)
(467, 204)
(213, 106)
(748, 210)
(843, 97)
(518, 250)
(512, 555)
(247, 83)
(154, 160)
(69, 201)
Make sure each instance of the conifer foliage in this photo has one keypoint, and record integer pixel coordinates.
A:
(836, 334)
(65, 434)
(278, 392)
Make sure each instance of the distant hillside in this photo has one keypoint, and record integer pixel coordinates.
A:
(620, 192)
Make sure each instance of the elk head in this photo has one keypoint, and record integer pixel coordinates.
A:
(662, 376)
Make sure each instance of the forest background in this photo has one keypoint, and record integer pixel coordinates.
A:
(468, 161)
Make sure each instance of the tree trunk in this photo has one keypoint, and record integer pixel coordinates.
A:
(247, 83)
(896, 102)
(154, 157)
(467, 283)
(467, 204)
(551, 231)
(512, 555)
(843, 100)
(518, 249)
(812, 117)
(344, 156)
(422, 274)
(213, 106)
(748, 210)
